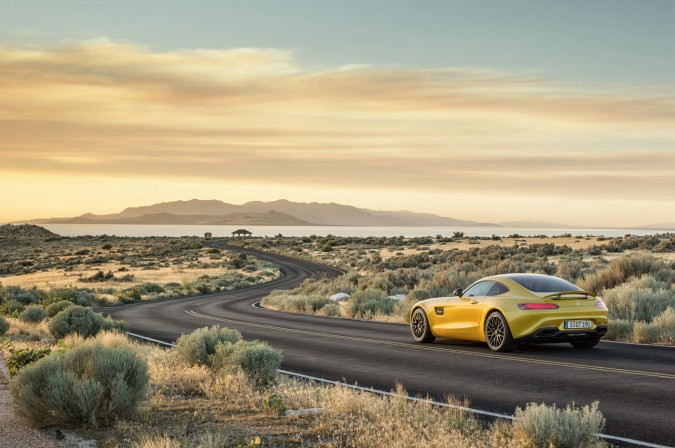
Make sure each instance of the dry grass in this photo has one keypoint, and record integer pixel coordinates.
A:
(466, 244)
(194, 406)
(28, 331)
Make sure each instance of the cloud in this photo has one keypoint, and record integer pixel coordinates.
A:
(122, 110)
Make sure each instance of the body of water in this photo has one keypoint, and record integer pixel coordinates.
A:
(353, 231)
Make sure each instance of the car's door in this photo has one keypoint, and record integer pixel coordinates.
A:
(463, 314)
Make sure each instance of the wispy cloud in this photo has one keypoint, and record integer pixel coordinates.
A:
(258, 115)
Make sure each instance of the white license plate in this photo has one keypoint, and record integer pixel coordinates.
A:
(572, 324)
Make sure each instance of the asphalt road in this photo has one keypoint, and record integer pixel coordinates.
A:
(635, 385)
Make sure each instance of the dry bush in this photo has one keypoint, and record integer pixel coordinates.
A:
(639, 300)
(198, 346)
(170, 374)
(256, 359)
(550, 426)
(157, 441)
(87, 385)
(354, 418)
(84, 321)
(33, 314)
(625, 268)
(296, 303)
(620, 330)
(35, 332)
(4, 325)
(661, 330)
(55, 308)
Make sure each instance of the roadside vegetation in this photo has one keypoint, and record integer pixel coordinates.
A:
(42, 269)
(216, 390)
(386, 276)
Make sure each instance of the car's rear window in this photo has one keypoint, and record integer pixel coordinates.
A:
(545, 284)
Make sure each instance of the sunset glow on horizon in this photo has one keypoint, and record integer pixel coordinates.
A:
(102, 123)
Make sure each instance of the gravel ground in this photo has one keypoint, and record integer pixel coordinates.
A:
(15, 433)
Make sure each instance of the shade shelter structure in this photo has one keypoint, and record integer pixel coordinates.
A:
(242, 233)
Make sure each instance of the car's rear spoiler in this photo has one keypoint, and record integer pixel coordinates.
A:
(562, 295)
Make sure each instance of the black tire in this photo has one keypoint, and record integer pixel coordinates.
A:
(420, 328)
(498, 334)
(585, 343)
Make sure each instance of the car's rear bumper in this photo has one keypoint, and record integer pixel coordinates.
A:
(553, 334)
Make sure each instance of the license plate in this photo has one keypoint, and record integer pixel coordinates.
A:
(573, 324)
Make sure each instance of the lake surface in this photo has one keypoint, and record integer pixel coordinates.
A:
(353, 231)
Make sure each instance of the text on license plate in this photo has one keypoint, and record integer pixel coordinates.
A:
(578, 324)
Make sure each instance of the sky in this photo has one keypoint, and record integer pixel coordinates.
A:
(482, 110)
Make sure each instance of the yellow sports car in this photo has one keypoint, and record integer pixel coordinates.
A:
(505, 310)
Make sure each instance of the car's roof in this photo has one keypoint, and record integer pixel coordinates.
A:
(520, 275)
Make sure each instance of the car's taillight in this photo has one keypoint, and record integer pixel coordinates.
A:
(537, 306)
(600, 304)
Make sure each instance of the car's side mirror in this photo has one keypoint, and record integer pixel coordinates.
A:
(458, 292)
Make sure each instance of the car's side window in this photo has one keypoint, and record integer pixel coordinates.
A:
(478, 290)
(497, 289)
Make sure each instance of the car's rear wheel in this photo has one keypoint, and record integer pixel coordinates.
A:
(419, 326)
(585, 343)
(497, 333)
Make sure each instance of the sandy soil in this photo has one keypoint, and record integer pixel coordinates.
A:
(61, 278)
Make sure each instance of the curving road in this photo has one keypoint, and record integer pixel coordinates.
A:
(634, 384)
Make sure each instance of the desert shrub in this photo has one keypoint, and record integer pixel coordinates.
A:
(83, 321)
(198, 346)
(129, 295)
(296, 303)
(90, 385)
(21, 357)
(4, 325)
(639, 300)
(84, 298)
(55, 308)
(620, 330)
(550, 426)
(369, 303)
(33, 314)
(315, 303)
(660, 330)
(118, 326)
(332, 309)
(625, 268)
(258, 361)
(13, 307)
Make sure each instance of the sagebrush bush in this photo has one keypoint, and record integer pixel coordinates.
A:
(83, 321)
(198, 346)
(33, 314)
(259, 362)
(661, 330)
(13, 307)
(332, 309)
(550, 426)
(625, 268)
(296, 303)
(55, 308)
(90, 385)
(371, 302)
(634, 302)
(620, 330)
(4, 326)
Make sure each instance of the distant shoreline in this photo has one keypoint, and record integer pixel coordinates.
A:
(217, 231)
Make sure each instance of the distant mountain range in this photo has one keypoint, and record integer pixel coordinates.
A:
(279, 213)
(287, 213)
